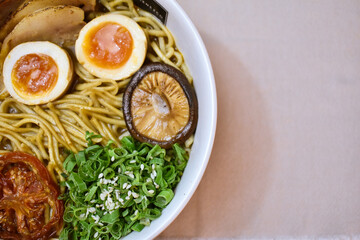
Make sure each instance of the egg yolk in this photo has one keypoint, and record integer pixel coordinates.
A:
(34, 75)
(109, 45)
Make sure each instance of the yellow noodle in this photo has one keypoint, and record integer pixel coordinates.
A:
(161, 54)
(45, 125)
(179, 59)
(14, 129)
(124, 83)
(110, 134)
(152, 57)
(155, 33)
(4, 106)
(15, 144)
(73, 129)
(66, 118)
(44, 114)
(95, 122)
(21, 139)
(85, 118)
(63, 132)
(90, 85)
(152, 23)
(115, 121)
(114, 100)
(40, 144)
(170, 52)
(23, 108)
(96, 102)
(114, 110)
(78, 119)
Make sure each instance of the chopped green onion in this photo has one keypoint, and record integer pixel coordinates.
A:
(79, 183)
(113, 191)
(69, 163)
(91, 193)
(115, 229)
(137, 227)
(109, 173)
(164, 197)
(112, 217)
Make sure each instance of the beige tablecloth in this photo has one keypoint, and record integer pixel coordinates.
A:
(286, 159)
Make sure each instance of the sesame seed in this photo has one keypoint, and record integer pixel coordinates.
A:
(127, 198)
(142, 166)
(117, 195)
(82, 215)
(96, 218)
(124, 185)
(135, 195)
(153, 166)
(154, 173)
(112, 158)
(130, 174)
(103, 195)
(129, 193)
(92, 209)
(133, 161)
(119, 170)
(151, 191)
(101, 175)
(96, 234)
(109, 203)
(128, 186)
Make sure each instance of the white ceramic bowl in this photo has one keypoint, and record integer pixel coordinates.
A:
(191, 45)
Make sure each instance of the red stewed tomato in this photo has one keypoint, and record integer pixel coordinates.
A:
(29, 205)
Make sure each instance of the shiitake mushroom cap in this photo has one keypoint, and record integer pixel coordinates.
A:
(188, 90)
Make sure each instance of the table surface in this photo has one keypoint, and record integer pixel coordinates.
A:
(286, 156)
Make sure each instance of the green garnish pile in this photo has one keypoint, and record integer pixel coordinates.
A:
(113, 191)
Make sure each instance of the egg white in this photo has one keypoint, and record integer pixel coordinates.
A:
(59, 55)
(137, 56)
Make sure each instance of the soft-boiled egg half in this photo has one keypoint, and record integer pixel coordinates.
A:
(111, 46)
(37, 72)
